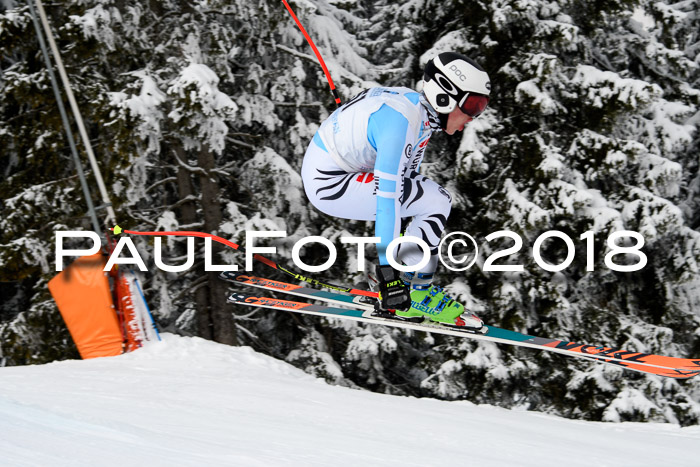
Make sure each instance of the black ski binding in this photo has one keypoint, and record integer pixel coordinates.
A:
(390, 314)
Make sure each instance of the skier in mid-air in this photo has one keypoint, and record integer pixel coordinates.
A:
(363, 164)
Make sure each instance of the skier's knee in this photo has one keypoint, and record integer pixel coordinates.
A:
(443, 201)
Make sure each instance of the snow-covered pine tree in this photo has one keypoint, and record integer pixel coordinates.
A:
(39, 189)
(583, 136)
(193, 123)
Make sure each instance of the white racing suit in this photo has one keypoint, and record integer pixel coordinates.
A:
(363, 164)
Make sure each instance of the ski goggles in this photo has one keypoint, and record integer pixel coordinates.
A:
(473, 104)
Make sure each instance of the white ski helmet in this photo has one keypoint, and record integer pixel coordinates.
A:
(452, 80)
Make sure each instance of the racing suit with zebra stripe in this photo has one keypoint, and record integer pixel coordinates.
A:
(363, 164)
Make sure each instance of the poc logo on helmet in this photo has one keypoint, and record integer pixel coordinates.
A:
(459, 74)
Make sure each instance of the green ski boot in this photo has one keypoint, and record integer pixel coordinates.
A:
(437, 306)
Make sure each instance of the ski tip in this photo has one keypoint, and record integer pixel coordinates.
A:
(238, 297)
(229, 275)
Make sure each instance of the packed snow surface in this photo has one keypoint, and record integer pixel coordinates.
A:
(187, 401)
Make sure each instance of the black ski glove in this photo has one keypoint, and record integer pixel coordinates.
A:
(393, 292)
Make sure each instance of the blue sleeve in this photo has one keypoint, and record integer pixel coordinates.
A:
(386, 133)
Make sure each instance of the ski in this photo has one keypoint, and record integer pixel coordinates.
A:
(349, 299)
(360, 308)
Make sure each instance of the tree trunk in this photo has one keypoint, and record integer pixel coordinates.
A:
(188, 216)
(223, 326)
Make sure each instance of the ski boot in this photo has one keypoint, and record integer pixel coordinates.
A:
(435, 305)
(431, 302)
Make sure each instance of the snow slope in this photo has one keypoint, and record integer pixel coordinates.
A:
(187, 401)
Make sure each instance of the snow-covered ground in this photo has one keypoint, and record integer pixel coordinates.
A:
(186, 401)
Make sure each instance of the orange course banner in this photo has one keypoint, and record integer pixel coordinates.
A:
(83, 296)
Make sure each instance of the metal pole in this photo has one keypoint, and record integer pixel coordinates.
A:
(111, 217)
(66, 123)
